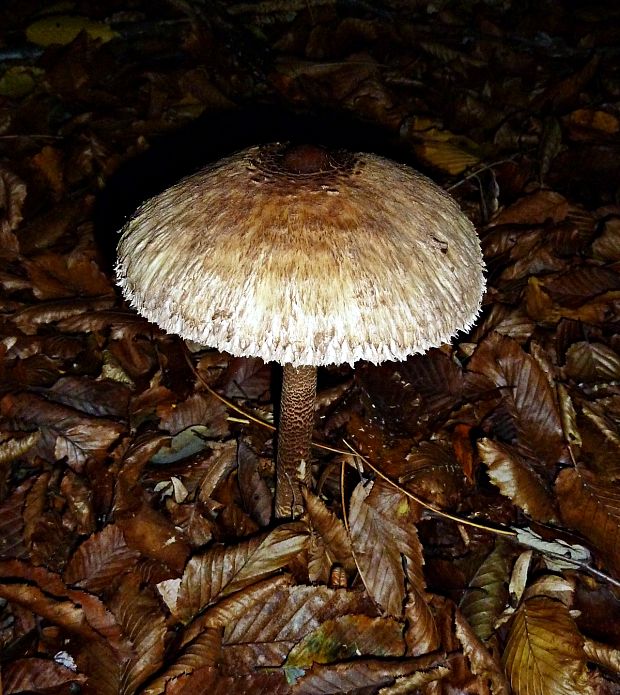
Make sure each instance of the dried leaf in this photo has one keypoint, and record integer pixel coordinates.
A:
(602, 654)
(586, 361)
(36, 674)
(382, 532)
(405, 685)
(446, 156)
(593, 508)
(210, 681)
(140, 616)
(48, 163)
(256, 495)
(345, 677)
(81, 311)
(14, 447)
(12, 522)
(544, 653)
(153, 534)
(100, 560)
(517, 480)
(229, 610)
(482, 662)
(558, 554)
(329, 543)
(76, 611)
(569, 421)
(432, 474)
(535, 208)
(102, 665)
(223, 570)
(63, 29)
(198, 409)
(526, 396)
(12, 197)
(79, 497)
(246, 378)
(65, 432)
(607, 245)
(421, 633)
(541, 307)
(204, 651)
(487, 593)
(347, 637)
(263, 625)
(100, 398)
(35, 505)
(579, 284)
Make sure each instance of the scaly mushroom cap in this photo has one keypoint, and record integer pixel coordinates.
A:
(300, 255)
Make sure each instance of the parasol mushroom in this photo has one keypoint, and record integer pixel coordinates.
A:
(305, 257)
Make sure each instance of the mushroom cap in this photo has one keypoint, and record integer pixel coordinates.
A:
(303, 256)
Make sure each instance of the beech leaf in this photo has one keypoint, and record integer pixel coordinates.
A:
(203, 652)
(139, 614)
(12, 522)
(526, 396)
(76, 611)
(347, 637)
(328, 679)
(100, 559)
(482, 662)
(421, 633)
(517, 480)
(544, 652)
(382, 532)
(587, 361)
(329, 543)
(35, 674)
(222, 570)
(66, 432)
(487, 594)
(592, 507)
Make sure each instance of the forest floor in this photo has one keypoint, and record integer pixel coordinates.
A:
(462, 535)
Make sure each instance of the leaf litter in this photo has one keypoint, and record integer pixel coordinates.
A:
(138, 549)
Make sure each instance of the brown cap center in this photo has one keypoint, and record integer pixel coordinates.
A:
(306, 159)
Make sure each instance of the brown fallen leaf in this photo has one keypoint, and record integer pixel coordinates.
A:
(12, 523)
(421, 630)
(329, 543)
(526, 397)
(518, 480)
(139, 614)
(101, 560)
(337, 678)
(223, 570)
(64, 432)
(592, 507)
(535, 208)
(383, 532)
(482, 662)
(544, 652)
(36, 674)
(76, 611)
(487, 593)
(347, 637)
(12, 197)
(55, 276)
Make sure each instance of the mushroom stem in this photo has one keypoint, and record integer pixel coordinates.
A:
(294, 437)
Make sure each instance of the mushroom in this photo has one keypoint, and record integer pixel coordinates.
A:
(305, 257)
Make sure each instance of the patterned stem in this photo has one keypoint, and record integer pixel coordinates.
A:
(294, 437)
